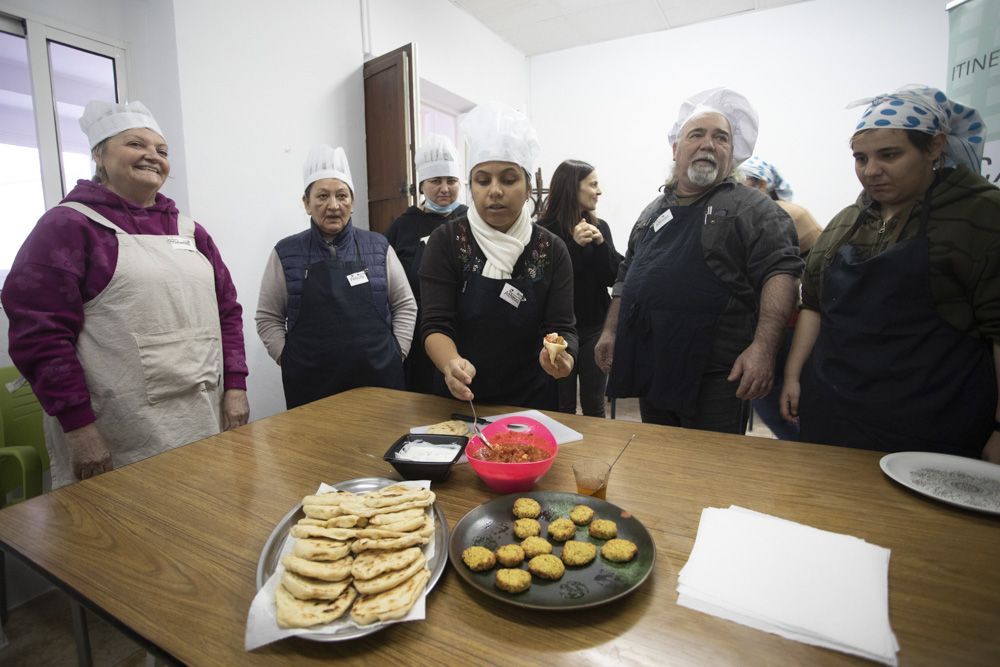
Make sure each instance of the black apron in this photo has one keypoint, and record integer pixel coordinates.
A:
(503, 342)
(670, 307)
(419, 368)
(340, 340)
(887, 372)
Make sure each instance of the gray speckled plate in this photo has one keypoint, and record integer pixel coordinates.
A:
(956, 480)
(492, 525)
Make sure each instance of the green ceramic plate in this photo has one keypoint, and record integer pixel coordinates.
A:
(492, 525)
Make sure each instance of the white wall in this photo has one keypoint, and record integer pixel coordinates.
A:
(612, 104)
(454, 50)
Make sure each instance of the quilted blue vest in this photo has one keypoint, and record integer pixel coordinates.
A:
(299, 251)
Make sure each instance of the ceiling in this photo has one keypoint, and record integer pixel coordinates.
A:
(540, 26)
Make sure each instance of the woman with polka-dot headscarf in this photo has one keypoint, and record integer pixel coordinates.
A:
(897, 342)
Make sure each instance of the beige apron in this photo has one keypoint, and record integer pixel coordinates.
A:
(151, 350)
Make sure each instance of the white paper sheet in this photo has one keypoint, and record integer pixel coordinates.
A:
(800, 582)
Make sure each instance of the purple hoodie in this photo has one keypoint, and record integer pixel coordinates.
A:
(65, 262)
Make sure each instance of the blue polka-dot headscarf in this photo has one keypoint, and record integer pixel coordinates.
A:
(768, 173)
(928, 110)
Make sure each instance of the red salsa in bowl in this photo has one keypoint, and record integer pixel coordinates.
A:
(514, 447)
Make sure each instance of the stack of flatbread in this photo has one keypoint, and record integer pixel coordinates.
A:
(357, 552)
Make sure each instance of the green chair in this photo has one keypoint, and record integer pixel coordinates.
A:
(23, 457)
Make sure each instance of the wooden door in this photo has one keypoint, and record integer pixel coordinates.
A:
(390, 126)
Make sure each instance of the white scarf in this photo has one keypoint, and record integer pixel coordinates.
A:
(501, 248)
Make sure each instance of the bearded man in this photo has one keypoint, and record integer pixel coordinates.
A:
(709, 281)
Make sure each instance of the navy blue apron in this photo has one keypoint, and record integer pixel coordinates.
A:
(887, 372)
(670, 307)
(503, 342)
(340, 340)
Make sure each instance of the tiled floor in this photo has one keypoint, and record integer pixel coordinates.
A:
(40, 632)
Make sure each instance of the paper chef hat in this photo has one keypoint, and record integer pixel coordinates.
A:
(437, 157)
(499, 133)
(736, 109)
(326, 162)
(101, 119)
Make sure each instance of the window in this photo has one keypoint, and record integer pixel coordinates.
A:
(46, 78)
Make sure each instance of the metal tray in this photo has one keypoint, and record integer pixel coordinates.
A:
(270, 554)
(492, 525)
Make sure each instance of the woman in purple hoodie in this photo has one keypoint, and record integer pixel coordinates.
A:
(123, 316)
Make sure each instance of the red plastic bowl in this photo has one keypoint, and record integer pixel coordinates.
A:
(513, 477)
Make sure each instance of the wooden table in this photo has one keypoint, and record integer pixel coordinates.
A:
(168, 547)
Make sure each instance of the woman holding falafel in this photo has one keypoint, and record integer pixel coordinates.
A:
(493, 284)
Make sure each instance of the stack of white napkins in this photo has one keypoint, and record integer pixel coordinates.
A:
(796, 581)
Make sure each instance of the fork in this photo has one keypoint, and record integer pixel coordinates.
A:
(475, 425)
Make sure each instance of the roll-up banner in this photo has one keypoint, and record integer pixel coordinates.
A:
(974, 69)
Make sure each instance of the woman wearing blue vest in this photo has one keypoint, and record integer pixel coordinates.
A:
(492, 283)
(335, 310)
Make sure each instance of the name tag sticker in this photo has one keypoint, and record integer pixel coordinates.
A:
(511, 295)
(662, 220)
(182, 243)
(359, 278)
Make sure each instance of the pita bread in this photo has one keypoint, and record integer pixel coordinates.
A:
(330, 498)
(295, 613)
(320, 549)
(392, 604)
(371, 564)
(402, 526)
(322, 512)
(332, 571)
(304, 588)
(380, 520)
(340, 534)
(369, 512)
(555, 344)
(450, 427)
(391, 544)
(389, 580)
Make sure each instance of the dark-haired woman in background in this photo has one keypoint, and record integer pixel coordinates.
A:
(897, 339)
(568, 212)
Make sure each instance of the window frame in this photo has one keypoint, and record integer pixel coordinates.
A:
(37, 34)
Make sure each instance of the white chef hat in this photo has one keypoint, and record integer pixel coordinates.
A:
(326, 162)
(437, 157)
(101, 119)
(498, 132)
(736, 109)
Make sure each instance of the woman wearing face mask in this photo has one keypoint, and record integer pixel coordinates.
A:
(568, 212)
(123, 316)
(335, 309)
(438, 173)
(493, 284)
(896, 345)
